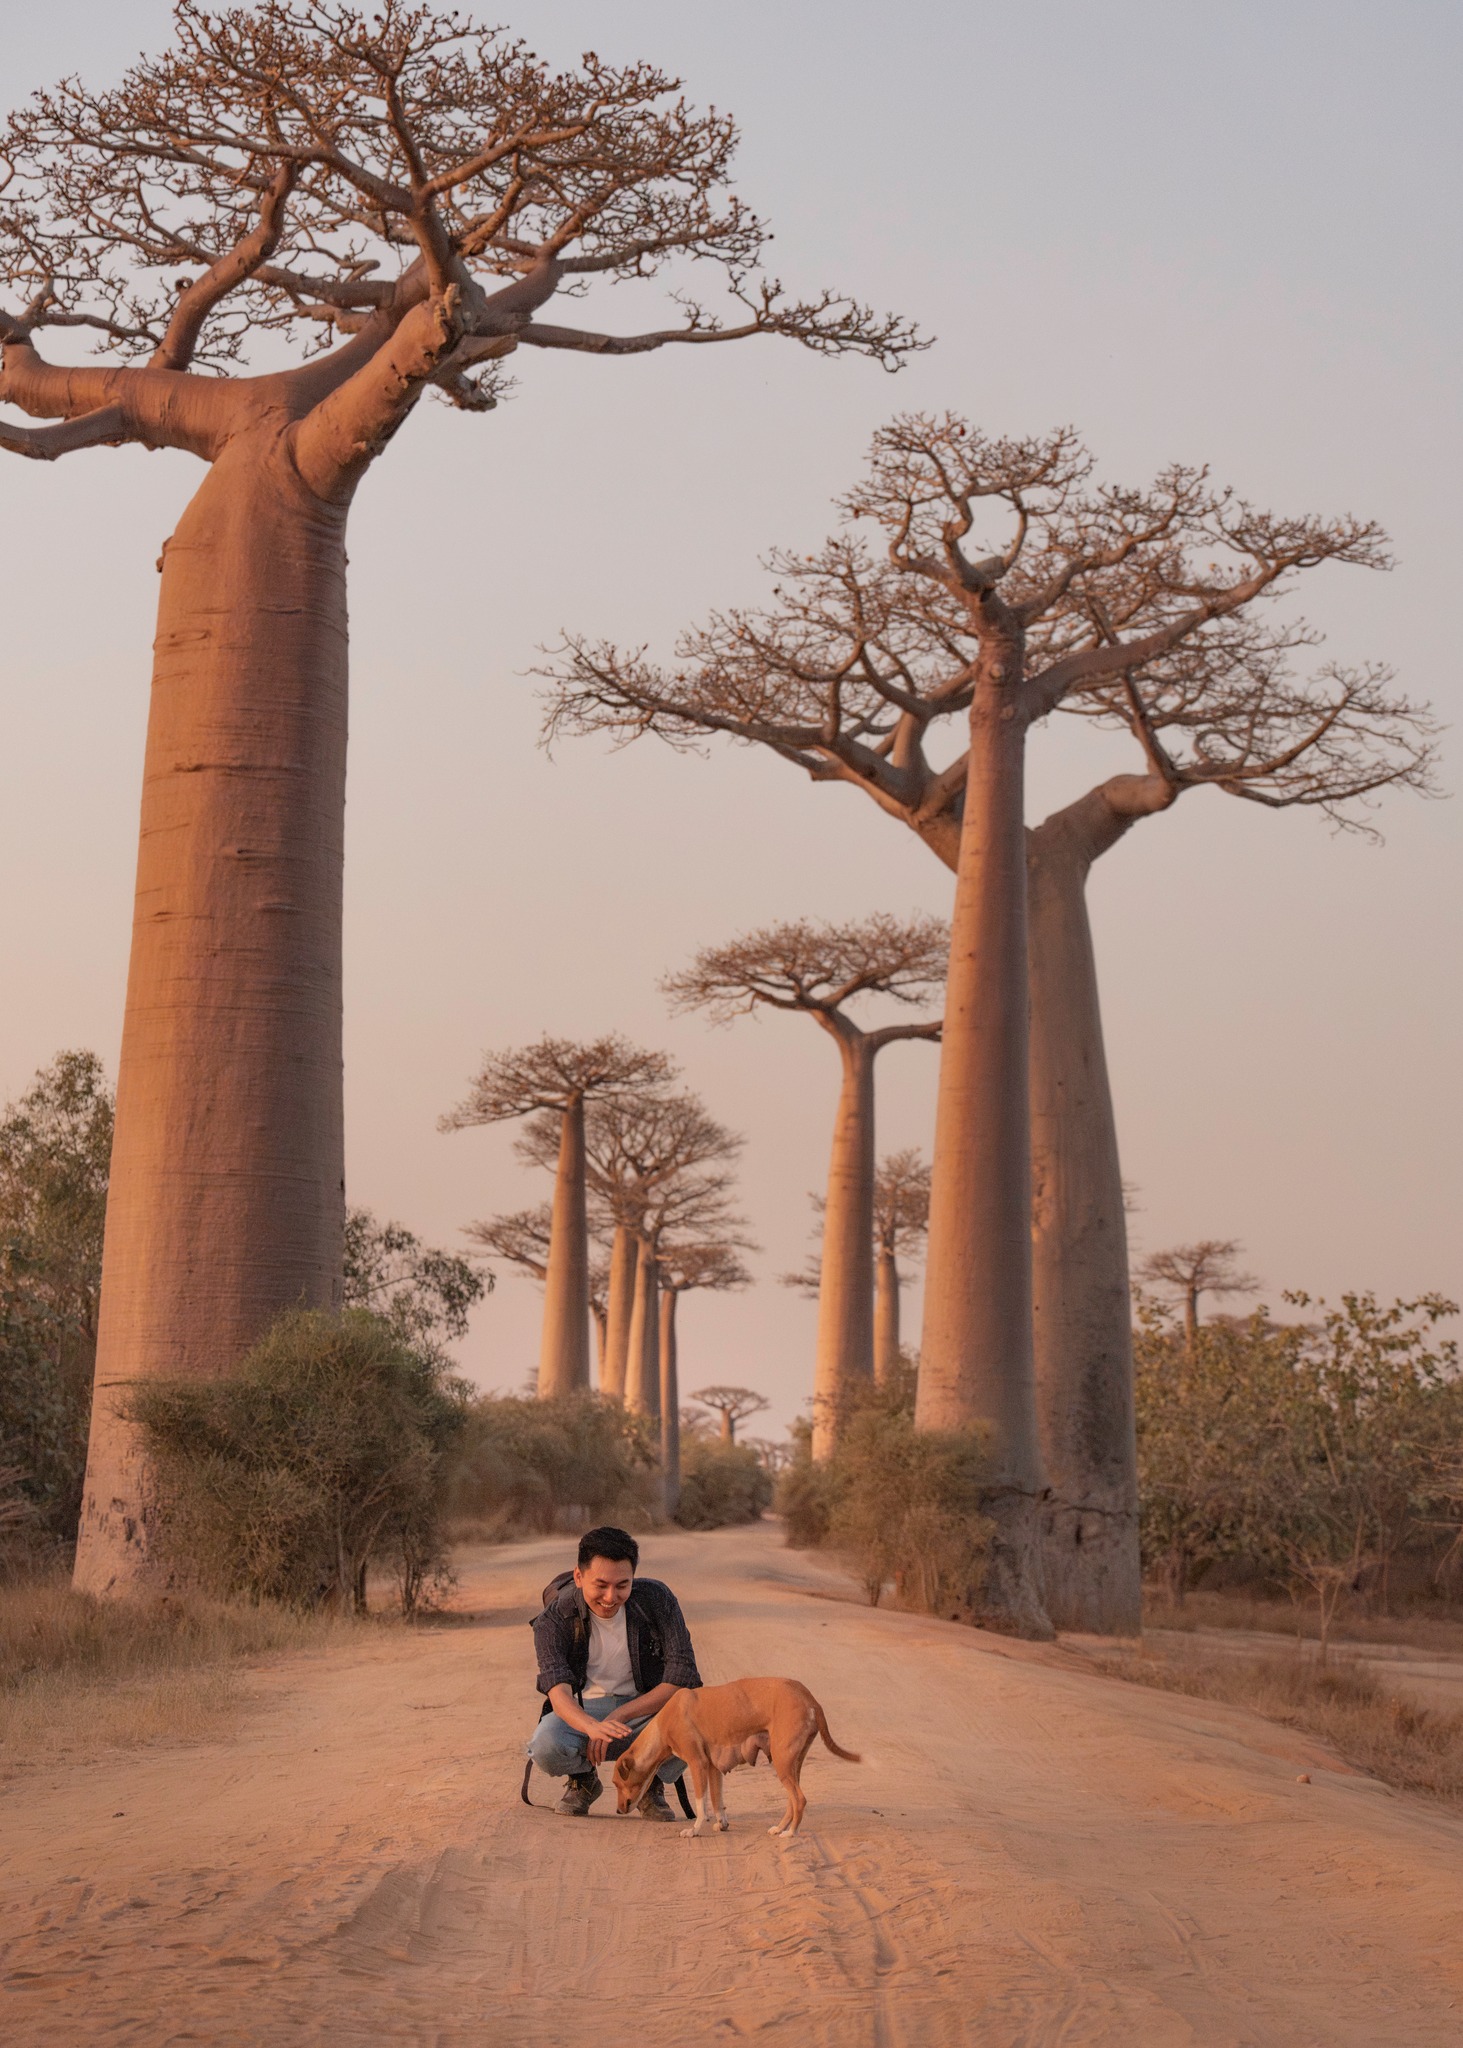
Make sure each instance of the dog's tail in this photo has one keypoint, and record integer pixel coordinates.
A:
(848, 1755)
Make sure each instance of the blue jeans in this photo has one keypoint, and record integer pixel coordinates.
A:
(560, 1751)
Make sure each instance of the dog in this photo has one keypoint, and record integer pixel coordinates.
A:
(715, 1728)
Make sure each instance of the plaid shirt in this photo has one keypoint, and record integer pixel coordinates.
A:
(655, 1630)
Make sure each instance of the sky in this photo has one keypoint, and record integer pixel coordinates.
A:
(1224, 235)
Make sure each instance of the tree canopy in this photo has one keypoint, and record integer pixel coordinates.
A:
(397, 193)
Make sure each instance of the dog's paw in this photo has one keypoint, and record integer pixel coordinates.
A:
(689, 1834)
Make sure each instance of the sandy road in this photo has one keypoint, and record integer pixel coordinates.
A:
(1029, 1855)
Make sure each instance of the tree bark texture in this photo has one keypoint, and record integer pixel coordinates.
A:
(642, 1379)
(563, 1364)
(228, 1201)
(886, 1316)
(977, 1351)
(619, 1307)
(1082, 1312)
(670, 1400)
(845, 1355)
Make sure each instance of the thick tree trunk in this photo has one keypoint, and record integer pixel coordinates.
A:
(977, 1355)
(227, 1198)
(619, 1306)
(642, 1379)
(1083, 1318)
(886, 1316)
(670, 1400)
(563, 1360)
(845, 1356)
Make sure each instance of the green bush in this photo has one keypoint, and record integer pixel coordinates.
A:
(721, 1483)
(524, 1465)
(324, 1452)
(55, 1144)
(898, 1504)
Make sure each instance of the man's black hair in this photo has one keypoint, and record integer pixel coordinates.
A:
(613, 1544)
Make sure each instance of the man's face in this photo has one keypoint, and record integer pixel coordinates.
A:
(605, 1583)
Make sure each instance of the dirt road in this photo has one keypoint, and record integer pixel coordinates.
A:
(1028, 1855)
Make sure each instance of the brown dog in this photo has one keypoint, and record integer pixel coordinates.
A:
(714, 1728)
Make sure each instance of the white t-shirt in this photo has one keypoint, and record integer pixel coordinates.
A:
(609, 1659)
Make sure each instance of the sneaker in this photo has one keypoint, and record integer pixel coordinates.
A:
(580, 1794)
(653, 1804)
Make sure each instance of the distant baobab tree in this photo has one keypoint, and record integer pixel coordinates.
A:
(901, 1225)
(1190, 1271)
(558, 1076)
(1142, 610)
(819, 969)
(521, 1239)
(901, 1222)
(732, 1405)
(399, 194)
(659, 1164)
(685, 1269)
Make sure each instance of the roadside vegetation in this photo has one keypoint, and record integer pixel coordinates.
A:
(1415, 1748)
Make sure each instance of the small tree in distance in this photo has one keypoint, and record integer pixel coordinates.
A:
(1191, 1271)
(685, 1269)
(901, 1224)
(819, 969)
(732, 1405)
(657, 1163)
(557, 1076)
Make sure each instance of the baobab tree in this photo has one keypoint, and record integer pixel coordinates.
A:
(684, 1269)
(901, 1222)
(732, 1405)
(817, 970)
(397, 195)
(1136, 609)
(1190, 1271)
(521, 1238)
(558, 1076)
(657, 1162)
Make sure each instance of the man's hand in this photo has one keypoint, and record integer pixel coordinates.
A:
(604, 1733)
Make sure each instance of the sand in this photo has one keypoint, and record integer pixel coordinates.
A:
(1029, 1854)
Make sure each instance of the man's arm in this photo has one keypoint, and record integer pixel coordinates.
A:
(615, 1728)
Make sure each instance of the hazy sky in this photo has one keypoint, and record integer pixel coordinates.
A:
(1200, 233)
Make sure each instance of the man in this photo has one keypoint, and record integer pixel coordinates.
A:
(611, 1650)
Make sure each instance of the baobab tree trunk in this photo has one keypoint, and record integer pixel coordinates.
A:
(563, 1364)
(1082, 1313)
(619, 1307)
(227, 1195)
(976, 1361)
(886, 1316)
(845, 1355)
(642, 1380)
(670, 1400)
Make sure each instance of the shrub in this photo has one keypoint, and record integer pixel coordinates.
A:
(322, 1453)
(55, 1144)
(897, 1503)
(523, 1464)
(804, 1493)
(721, 1483)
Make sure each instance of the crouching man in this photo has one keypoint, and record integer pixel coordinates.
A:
(611, 1650)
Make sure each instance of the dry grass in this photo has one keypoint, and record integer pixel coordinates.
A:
(81, 1676)
(1433, 1630)
(1412, 1747)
